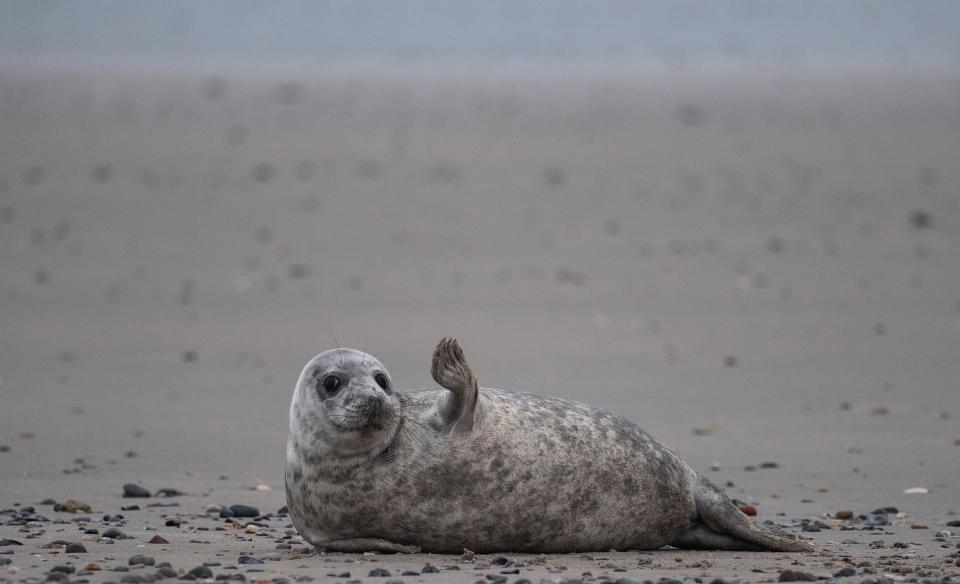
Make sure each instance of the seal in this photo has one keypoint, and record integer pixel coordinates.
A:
(370, 468)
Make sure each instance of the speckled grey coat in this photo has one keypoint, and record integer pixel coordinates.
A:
(483, 469)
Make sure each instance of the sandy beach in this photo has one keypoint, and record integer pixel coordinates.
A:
(761, 270)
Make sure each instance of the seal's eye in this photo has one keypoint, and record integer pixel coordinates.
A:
(381, 380)
(331, 383)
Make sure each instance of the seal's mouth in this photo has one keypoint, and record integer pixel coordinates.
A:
(363, 416)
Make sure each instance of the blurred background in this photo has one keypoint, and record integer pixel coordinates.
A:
(735, 223)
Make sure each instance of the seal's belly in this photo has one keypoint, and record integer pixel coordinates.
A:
(546, 476)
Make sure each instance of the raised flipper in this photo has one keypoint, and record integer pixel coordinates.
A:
(367, 544)
(451, 371)
(725, 527)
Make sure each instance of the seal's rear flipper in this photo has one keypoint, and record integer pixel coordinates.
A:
(720, 515)
(450, 370)
(701, 537)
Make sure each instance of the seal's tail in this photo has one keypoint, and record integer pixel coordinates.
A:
(726, 527)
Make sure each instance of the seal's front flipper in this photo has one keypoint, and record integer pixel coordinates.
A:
(450, 370)
(719, 514)
(366, 544)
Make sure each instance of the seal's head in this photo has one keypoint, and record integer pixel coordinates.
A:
(344, 404)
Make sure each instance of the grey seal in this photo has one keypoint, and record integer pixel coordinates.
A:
(370, 468)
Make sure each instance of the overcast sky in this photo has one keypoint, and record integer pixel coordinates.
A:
(809, 34)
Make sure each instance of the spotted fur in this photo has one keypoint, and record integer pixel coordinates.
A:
(522, 472)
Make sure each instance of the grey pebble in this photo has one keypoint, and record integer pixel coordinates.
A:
(201, 572)
(166, 572)
(379, 573)
(243, 511)
(131, 490)
(796, 576)
(66, 569)
(114, 533)
(75, 548)
(141, 560)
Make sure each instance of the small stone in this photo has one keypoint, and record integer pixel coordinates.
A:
(920, 219)
(167, 492)
(769, 465)
(846, 572)
(141, 560)
(131, 490)
(72, 506)
(166, 572)
(75, 548)
(64, 569)
(689, 114)
(248, 560)
(379, 573)
(244, 511)
(157, 540)
(251, 528)
(189, 356)
(749, 510)
(394, 581)
(844, 514)
(114, 533)
(298, 271)
(201, 572)
(796, 576)
(6, 542)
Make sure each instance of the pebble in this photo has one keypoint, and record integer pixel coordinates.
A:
(64, 569)
(430, 569)
(243, 511)
(75, 548)
(248, 560)
(379, 573)
(846, 573)
(141, 560)
(394, 581)
(72, 506)
(114, 533)
(796, 576)
(749, 510)
(157, 540)
(6, 542)
(167, 492)
(844, 514)
(131, 490)
(201, 572)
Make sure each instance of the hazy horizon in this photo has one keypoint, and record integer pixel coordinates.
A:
(669, 36)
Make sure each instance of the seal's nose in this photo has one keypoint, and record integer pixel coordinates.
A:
(374, 406)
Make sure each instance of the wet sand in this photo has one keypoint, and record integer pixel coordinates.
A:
(756, 269)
